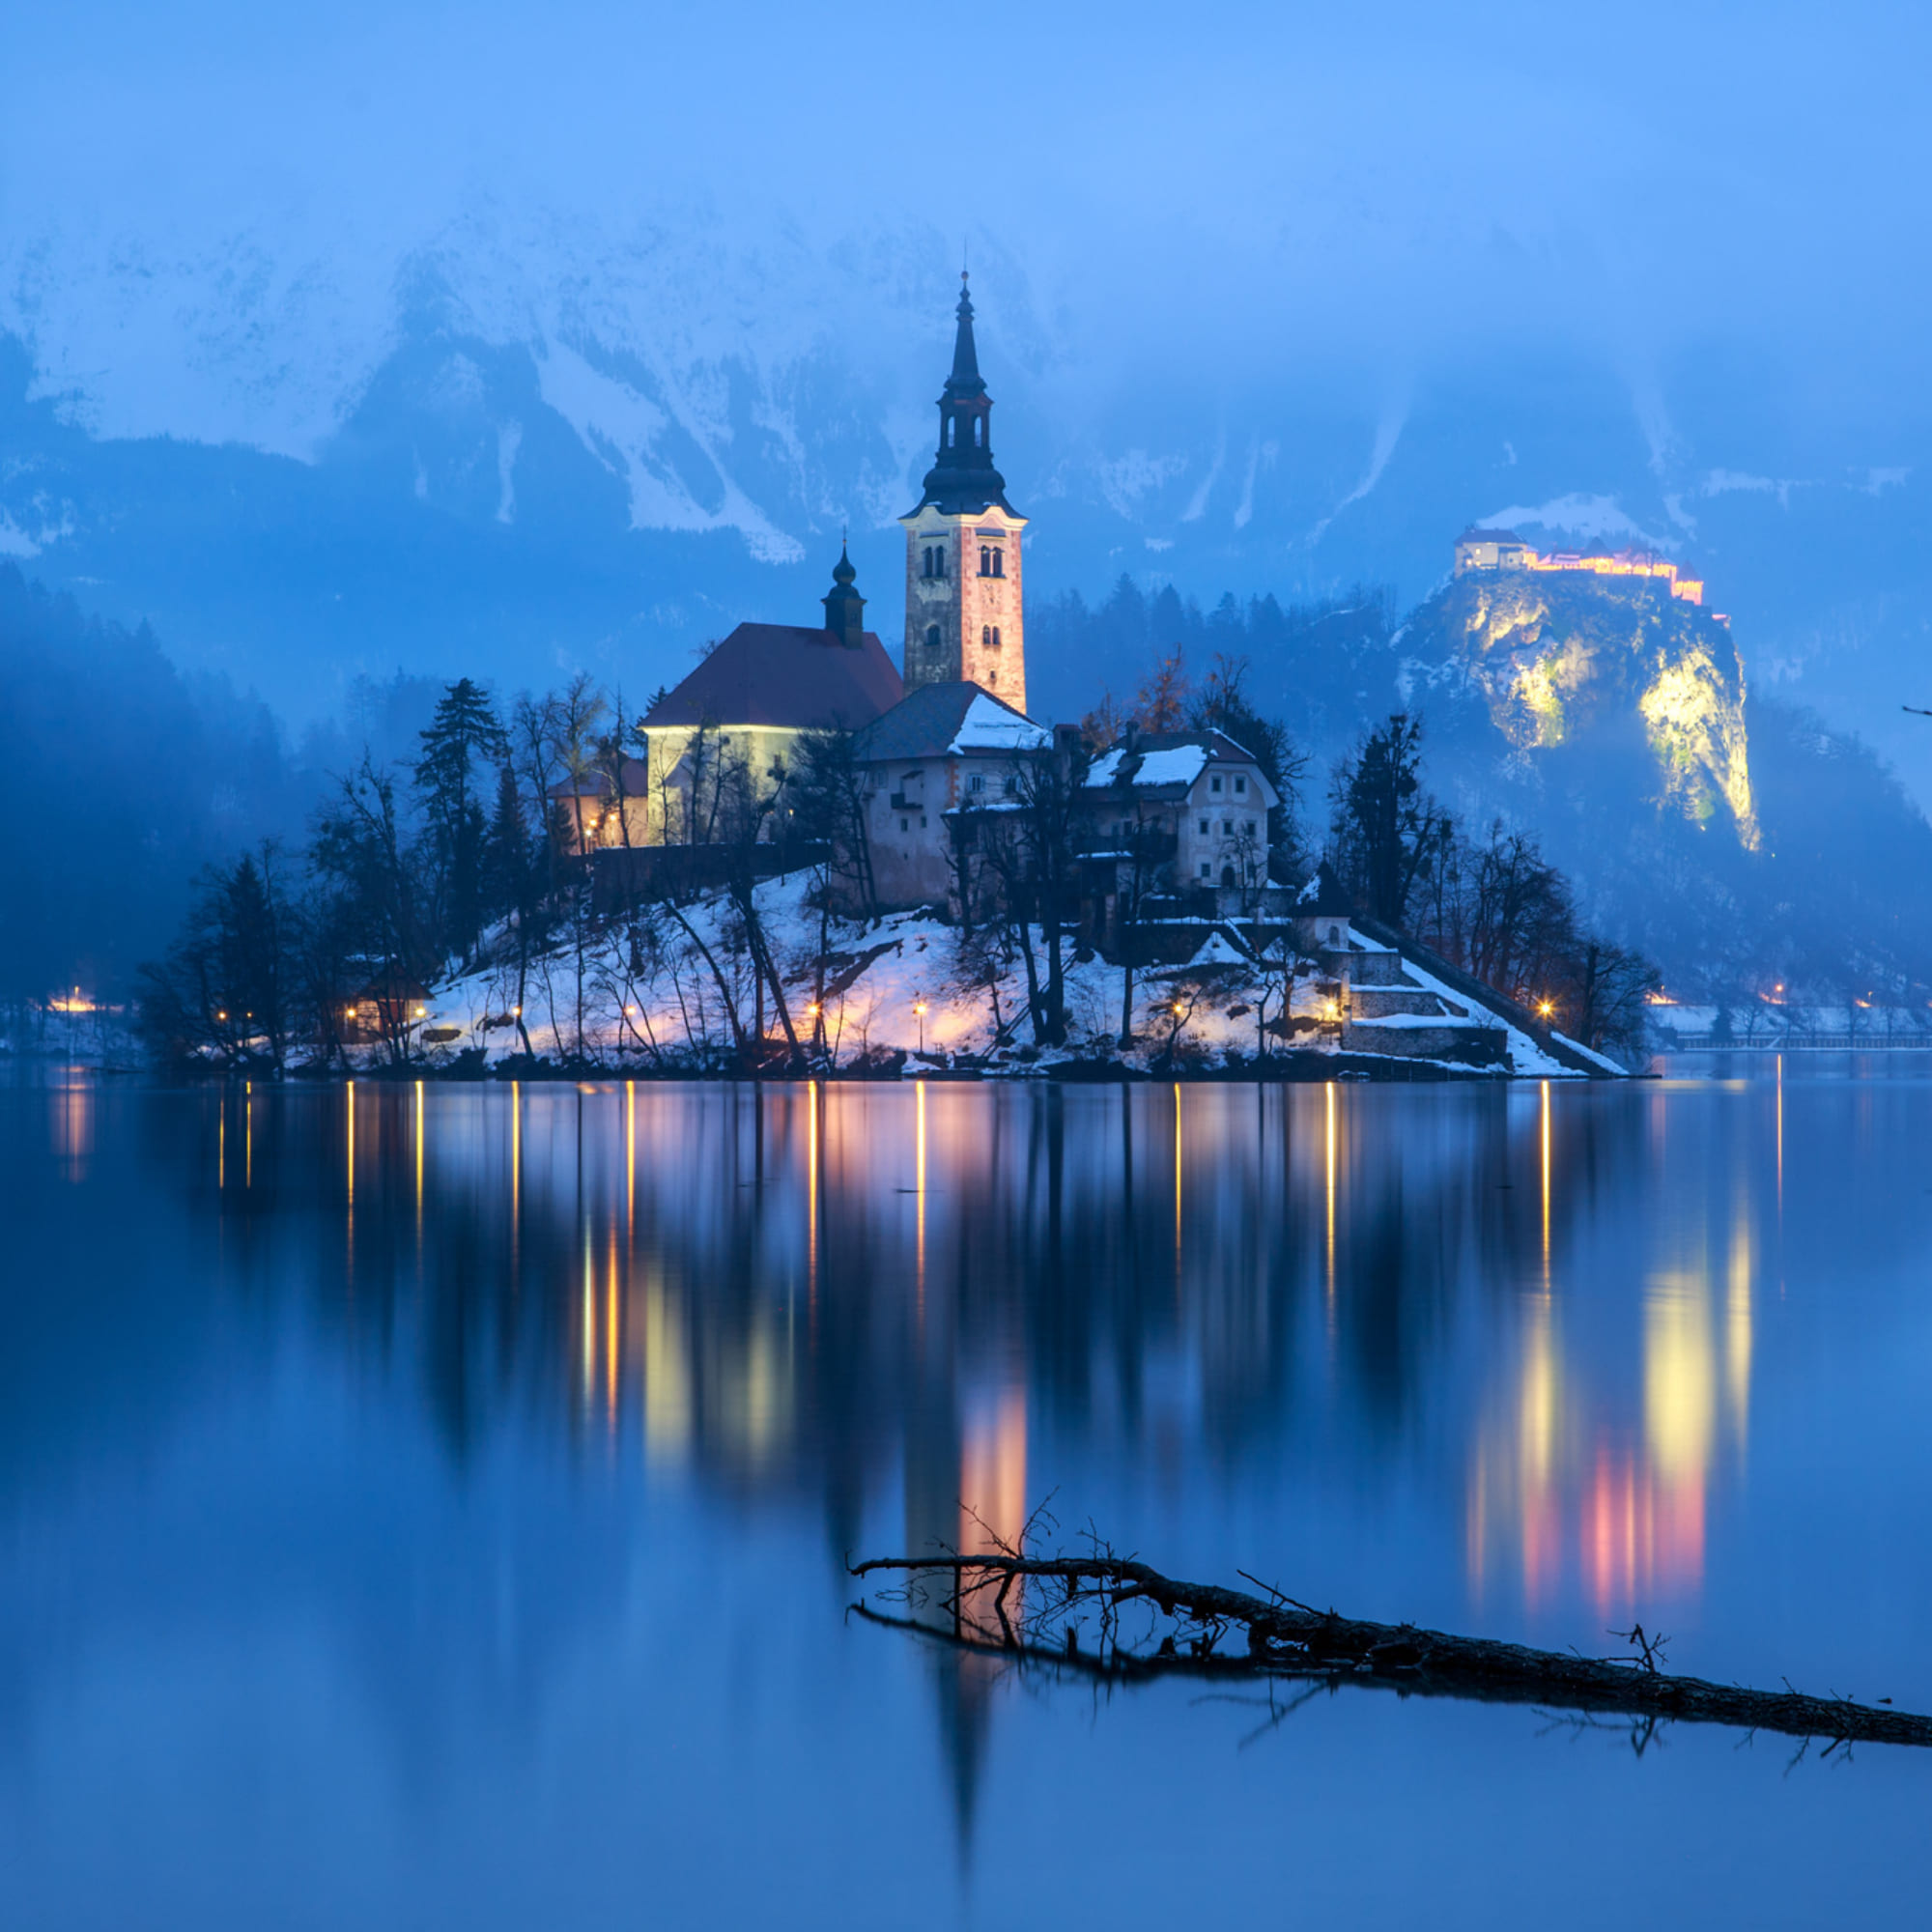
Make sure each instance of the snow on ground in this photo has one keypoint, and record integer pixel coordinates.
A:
(906, 984)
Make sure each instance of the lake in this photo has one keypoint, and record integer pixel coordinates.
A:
(428, 1506)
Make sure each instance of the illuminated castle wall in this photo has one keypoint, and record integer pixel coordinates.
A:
(1504, 550)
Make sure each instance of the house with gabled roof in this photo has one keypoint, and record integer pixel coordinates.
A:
(1190, 808)
(935, 763)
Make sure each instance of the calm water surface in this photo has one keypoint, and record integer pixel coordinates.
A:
(427, 1507)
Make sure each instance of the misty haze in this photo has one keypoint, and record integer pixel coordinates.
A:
(964, 968)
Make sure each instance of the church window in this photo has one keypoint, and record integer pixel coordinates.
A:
(996, 636)
(932, 636)
(986, 636)
(999, 563)
(992, 679)
(939, 560)
(985, 561)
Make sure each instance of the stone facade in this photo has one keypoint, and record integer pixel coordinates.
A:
(965, 618)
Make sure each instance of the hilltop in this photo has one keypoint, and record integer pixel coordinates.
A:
(1738, 842)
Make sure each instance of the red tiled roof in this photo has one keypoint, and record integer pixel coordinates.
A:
(785, 675)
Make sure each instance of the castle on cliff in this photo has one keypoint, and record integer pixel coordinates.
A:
(1478, 549)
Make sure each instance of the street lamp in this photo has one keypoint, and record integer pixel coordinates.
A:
(919, 1006)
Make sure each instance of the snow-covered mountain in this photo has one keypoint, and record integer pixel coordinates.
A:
(520, 439)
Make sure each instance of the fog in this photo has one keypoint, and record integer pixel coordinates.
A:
(1254, 184)
(507, 342)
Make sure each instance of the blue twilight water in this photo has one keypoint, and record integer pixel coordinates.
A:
(427, 1507)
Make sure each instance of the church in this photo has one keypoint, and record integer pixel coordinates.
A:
(765, 685)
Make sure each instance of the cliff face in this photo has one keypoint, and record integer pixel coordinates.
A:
(1585, 665)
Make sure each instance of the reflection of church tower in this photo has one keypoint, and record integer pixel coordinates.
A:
(965, 1490)
(963, 615)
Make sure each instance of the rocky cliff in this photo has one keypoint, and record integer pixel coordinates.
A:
(1586, 667)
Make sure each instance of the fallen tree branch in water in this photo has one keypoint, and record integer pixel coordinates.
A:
(1186, 1622)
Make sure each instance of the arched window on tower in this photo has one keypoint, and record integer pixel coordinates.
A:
(986, 636)
(932, 636)
(996, 636)
(999, 563)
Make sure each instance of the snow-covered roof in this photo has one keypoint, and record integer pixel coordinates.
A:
(951, 720)
(989, 725)
(1213, 952)
(1181, 766)
(1171, 761)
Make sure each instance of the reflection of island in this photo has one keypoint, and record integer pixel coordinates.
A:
(855, 1292)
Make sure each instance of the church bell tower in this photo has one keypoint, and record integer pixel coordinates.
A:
(963, 611)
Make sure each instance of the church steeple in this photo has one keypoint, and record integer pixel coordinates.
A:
(844, 608)
(962, 479)
(965, 615)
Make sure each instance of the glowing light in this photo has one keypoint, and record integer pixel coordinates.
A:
(1545, 1007)
(1329, 1139)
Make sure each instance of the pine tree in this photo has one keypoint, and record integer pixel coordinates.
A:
(464, 735)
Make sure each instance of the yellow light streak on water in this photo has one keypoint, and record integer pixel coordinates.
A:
(1546, 1186)
(1177, 1191)
(610, 1339)
(1330, 1145)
